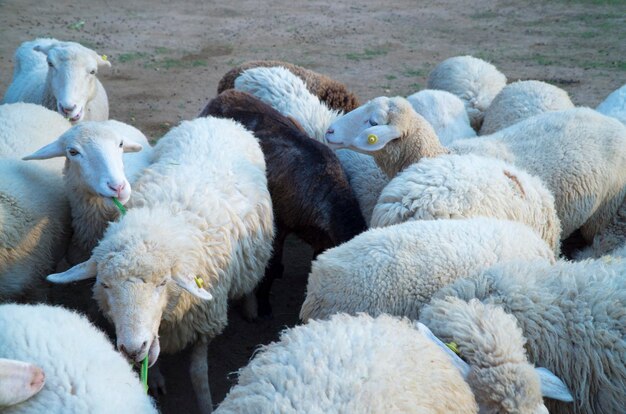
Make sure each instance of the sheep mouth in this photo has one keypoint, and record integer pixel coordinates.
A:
(153, 352)
(76, 117)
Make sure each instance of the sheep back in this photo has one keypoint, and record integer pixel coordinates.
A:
(333, 93)
(211, 172)
(350, 364)
(573, 315)
(36, 228)
(463, 186)
(26, 127)
(520, 100)
(310, 191)
(84, 374)
(473, 80)
(578, 153)
(397, 269)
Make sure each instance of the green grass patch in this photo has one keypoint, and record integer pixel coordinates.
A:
(614, 64)
(171, 63)
(410, 73)
(367, 54)
(78, 25)
(543, 60)
(131, 57)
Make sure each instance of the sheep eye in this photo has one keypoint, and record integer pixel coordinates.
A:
(73, 152)
(121, 144)
(163, 283)
(93, 72)
(104, 285)
(373, 123)
(50, 64)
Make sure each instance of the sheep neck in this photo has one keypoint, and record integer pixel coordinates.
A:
(90, 216)
(420, 140)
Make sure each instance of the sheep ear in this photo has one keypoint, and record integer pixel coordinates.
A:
(552, 386)
(461, 365)
(45, 48)
(52, 150)
(131, 146)
(102, 60)
(20, 381)
(82, 271)
(376, 137)
(192, 285)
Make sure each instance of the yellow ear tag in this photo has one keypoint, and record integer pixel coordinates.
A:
(104, 57)
(199, 282)
(453, 347)
(372, 139)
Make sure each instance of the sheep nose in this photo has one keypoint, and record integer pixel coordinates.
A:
(133, 355)
(117, 187)
(68, 109)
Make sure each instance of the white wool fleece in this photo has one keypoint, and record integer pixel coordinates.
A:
(83, 373)
(397, 269)
(350, 365)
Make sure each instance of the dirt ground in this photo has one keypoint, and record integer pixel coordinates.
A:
(167, 57)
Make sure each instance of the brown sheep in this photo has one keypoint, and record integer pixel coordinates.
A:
(333, 93)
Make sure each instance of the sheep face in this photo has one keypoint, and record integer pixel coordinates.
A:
(134, 302)
(94, 153)
(371, 126)
(72, 71)
(19, 381)
(141, 270)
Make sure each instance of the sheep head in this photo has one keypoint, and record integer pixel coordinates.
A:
(141, 269)
(372, 126)
(498, 371)
(19, 381)
(94, 157)
(72, 70)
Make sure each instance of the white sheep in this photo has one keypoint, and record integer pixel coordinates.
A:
(615, 105)
(573, 315)
(473, 80)
(462, 186)
(445, 112)
(610, 241)
(397, 269)
(201, 214)
(101, 160)
(288, 94)
(353, 365)
(27, 127)
(577, 153)
(497, 367)
(36, 230)
(361, 364)
(83, 373)
(520, 100)
(19, 381)
(60, 76)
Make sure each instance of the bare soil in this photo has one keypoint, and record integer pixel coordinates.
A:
(168, 56)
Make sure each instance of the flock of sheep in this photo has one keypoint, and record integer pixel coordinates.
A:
(438, 283)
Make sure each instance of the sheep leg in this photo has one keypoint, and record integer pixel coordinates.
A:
(156, 381)
(274, 270)
(199, 373)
